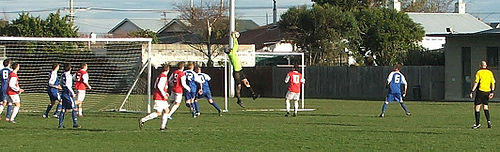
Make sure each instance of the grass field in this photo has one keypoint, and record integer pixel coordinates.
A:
(336, 125)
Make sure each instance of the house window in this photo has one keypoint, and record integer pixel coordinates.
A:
(492, 55)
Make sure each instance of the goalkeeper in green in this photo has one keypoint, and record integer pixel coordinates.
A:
(238, 75)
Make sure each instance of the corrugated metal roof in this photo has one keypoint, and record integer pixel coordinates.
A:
(150, 24)
(436, 23)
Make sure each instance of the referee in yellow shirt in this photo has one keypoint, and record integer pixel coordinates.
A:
(486, 81)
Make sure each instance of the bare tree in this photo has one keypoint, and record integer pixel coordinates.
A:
(209, 20)
(428, 6)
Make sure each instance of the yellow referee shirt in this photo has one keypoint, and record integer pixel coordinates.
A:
(485, 78)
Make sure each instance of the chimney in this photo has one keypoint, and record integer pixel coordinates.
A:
(460, 7)
(396, 5)
(275, 13)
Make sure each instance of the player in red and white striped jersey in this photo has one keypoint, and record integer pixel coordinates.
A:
(160, 97)
(81, 84)
(13, 90)
(295, 81)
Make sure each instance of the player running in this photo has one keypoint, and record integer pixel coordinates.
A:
(486, 82)
(160, 97)
(81, 84)
(238, 73)
(192, 86)
(53, 92)
(13, 91)
(175, 81)
(4, 73)
(394, 82)
(295, 81)
(67, 97)
(205, 92)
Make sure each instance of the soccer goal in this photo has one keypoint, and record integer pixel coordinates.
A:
(229, 84)
(119, 69)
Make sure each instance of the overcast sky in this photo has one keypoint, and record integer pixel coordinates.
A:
(102, 21)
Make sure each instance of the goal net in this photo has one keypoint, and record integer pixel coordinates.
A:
(119, 69)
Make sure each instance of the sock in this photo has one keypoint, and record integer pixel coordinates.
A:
(403, 105)
(1, 109)
(9, 111)
(80, 110)
(188, 105)
(75, 117)
(149, 117)
(238, 92)
(59, 107)
(384, 107)
(287, 104)
(47, 110)
(215, 106)
(296, 107)
(196, 107)
(61, 118)
(487, 114)
(251, 90)
(173, 109)
(477, 117)
(14, 113)
(164, 121)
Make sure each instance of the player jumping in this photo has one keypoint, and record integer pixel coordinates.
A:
(81, 84)
(14, 90)
(394, 82)
(238, 74)
(4, 73)
(295, 80)
(53, 91)
(192, 86)
(68, 95)
(175, 81)
(160, 97)
(206, 93)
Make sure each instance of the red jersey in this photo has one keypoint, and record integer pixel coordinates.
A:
(175, 79)
(13, 77)
(81, 78)
(161, 86)
(295, 80)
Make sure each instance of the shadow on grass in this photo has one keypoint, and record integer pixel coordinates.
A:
(329, 124)
(395, 132)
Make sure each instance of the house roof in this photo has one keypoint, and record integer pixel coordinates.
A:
(245, 25)
(436, 23)
(146, 24)
(261, 35)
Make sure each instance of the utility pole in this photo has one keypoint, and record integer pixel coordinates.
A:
(275, 13)
(71, 11)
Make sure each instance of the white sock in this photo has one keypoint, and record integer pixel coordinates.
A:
(14, 113)
(164, 121)
(149, 117)
(174, 108)
(80, 111)
(296, 106)
(1, 109)
(287, 103)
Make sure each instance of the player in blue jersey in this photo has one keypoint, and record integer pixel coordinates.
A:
(4, 74)
(68, 101)
(394, 82)
(192, 86)
(205, 93)
(53, 92)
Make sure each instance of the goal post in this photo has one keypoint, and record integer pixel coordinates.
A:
(116, 66)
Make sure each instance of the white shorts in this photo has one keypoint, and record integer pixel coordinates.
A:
(160, 105)
(14, 98)
(80, 96)
(177, 97)
(292, 96)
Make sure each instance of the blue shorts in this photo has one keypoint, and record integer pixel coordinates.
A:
(68, 102)
(3, 94)
(190, 95)
(394, 97)
(53, 94)
(207, 95)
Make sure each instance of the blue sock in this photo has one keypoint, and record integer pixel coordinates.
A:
(403, 105)
(215, 106)
(384, 107)
(188, 105)
(61, 118)
(74, 114)
(196, 107)
(59, 107)
(9, 111)
(48, 110)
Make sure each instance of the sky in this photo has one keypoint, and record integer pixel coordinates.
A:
(101, 21)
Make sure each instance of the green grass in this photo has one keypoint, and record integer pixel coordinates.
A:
(336, 125)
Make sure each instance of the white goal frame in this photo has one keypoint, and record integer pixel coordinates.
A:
(93, 40)
(230, 85)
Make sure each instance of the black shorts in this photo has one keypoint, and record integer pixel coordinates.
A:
(481, 98)
(238, 76)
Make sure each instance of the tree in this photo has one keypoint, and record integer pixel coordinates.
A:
(351, 5)
(323, 32)
(208, 20)
(387, 35)
(427, 6)
(147, 34)
(53, 26)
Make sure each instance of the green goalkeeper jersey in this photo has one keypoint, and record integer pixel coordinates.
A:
(233, 57)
